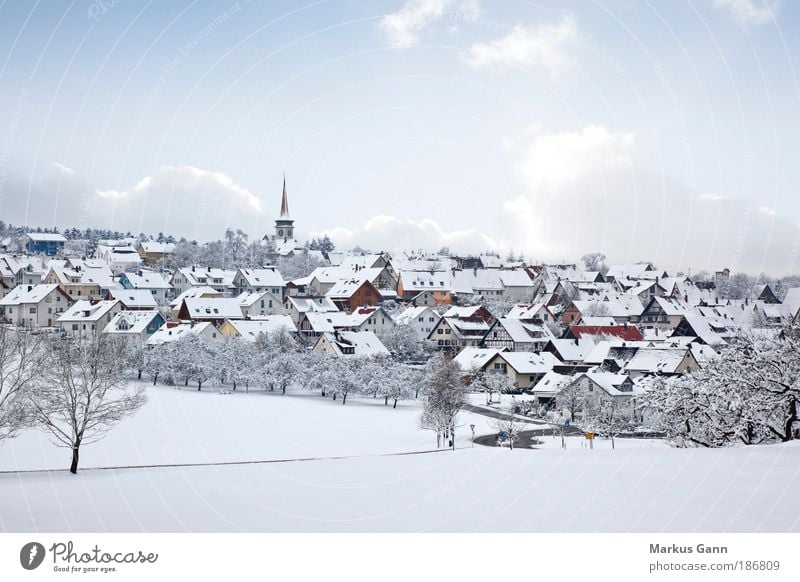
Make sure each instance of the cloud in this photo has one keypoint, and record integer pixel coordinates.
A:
(389, 233)
(189, 179)
(402, 28)
(583, 191)
(61, 168)
(542, 46)
(748, 11)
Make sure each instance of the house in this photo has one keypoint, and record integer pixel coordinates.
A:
(34, 305)
(517, 336)
(45, 243)
(297, 306)
(357, 344)
(250, 329)
(353, 293)
(136, 325)
(662, 313)
(532, 312)
(220, 280)
(586, 391)
(191, 293)
(74, 283)
(259, 280)
(572, 354)
(133, 299)
(86, 319)
(425, 298)
(452, 333)
(258, 303)
(472, 360)
(662, 361)
(711, 331)
(173, 331)
(411, 283)
(374, 319)
(152, 253)
(119, 258)
(215, 310)
(152, 281)
(766, 294)
(421, 318)
(313, 323)
(525, 369)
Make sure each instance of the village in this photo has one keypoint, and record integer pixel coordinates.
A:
(573, 347)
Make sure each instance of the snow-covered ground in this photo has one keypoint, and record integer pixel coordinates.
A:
(640, 486)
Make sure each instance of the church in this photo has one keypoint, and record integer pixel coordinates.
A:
(285, 243)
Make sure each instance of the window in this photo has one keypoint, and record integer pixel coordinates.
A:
(440, 331)
(33, 310)
(421, 319)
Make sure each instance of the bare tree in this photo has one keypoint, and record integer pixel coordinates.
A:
(444, 397)
(509, 424)
(82, 394)
(18, 352)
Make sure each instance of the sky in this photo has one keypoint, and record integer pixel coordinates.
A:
(647, 130)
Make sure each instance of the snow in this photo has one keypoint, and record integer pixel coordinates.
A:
(643, 485)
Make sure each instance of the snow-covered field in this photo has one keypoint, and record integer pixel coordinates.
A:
(641, 486)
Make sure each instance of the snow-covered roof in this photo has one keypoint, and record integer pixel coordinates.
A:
(46, 237)
(25, 294)
(426, 281)
(213, 308)
(134, 297)
(262, 277)
(249, 329)
(364, 343)
(313, 304)
(87, 311)
(471, 359)
(157, 247)
(529, 362)
(130, 322)
(412, 314)
(194, 292)
(172, 331)
(148, 280)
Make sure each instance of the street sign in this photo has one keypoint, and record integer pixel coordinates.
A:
(472, 427)
(589, 435)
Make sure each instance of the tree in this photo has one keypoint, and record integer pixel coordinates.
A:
(405, 345)
(444, 397)
(609, 417)
(19, 350)
(594, 262)
(509, 424)
(82, 394)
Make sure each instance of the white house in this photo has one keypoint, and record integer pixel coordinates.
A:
(35, 305)
(422, 319)
(86, 319)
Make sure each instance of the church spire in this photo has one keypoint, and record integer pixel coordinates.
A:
(284, 201)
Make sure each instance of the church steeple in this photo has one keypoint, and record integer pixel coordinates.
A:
(284, 225)
(284, 201)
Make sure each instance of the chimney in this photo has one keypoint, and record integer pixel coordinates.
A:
(192, 268)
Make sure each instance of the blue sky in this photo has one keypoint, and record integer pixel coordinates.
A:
(649, 130)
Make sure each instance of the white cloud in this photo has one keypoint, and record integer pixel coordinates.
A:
(583, 191)
(403, 28)
(748, 11)
(542, 46)
(389, 233)
(173, 179)
(61, 168)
